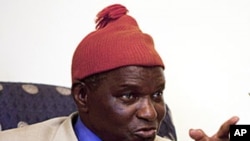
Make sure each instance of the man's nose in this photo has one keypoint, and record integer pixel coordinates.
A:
(147, 110)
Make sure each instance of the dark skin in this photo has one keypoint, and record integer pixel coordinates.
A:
(128, 105)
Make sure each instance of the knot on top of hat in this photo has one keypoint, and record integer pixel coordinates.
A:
(110, 13)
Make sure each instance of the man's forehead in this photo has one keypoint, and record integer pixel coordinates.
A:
(137, 73)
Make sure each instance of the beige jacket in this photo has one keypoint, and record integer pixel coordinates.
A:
(56, 129)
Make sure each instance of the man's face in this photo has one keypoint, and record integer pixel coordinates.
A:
(128, 105)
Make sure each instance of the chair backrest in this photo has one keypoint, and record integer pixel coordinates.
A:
(167, 128)
(22, 104)
(28, 103)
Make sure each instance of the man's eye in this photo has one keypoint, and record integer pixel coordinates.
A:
(157, 95)
(128, 96)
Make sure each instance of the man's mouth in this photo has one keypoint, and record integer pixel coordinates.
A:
(146, 132)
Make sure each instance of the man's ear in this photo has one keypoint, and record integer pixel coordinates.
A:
(80, 95)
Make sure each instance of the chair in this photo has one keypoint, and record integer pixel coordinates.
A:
(28, 103)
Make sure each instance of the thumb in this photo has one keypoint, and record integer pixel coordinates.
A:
(197, 134)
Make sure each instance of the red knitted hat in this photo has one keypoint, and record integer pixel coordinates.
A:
(117, 42)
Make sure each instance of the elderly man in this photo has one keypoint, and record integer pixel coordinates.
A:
(117, 84)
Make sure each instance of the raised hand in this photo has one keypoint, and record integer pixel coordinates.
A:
(221, 135)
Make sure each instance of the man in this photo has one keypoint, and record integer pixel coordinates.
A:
(117, 84)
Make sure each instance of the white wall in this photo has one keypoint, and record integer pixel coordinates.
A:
(204, 43)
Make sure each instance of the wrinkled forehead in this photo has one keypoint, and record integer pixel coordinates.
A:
(137, 73)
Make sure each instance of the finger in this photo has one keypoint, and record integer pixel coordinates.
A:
(224, 129)
(197, 134)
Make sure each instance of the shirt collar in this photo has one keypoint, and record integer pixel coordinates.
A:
(83, 133)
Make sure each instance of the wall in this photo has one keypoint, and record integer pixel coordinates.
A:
(205, 46)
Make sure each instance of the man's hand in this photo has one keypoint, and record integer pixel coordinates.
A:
(221, 135)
